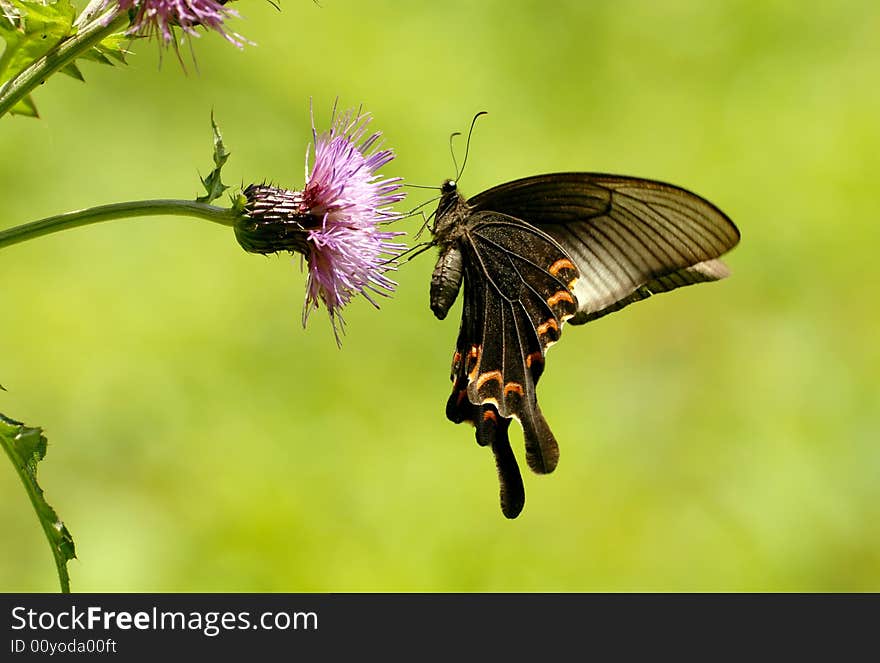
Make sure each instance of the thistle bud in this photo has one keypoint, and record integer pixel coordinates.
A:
(274, 220)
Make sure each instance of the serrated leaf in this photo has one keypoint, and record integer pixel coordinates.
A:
(96, 55)
(110, 51)
(26, 447)
(114, 46)
(35, 29)
(212, 183)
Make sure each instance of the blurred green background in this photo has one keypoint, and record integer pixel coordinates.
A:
(723, 437)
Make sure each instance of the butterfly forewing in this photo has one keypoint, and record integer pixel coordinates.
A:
(626, 235)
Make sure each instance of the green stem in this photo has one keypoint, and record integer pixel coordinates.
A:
(84, 217)
(66, 52)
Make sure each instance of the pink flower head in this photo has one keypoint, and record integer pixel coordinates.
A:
(348, 253)
(336, 221)
(160, 17)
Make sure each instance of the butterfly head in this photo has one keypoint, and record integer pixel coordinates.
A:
(450, 198)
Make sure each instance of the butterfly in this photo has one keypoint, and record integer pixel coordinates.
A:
(538, 252)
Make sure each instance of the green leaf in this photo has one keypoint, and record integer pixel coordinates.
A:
(95, 55)
(212, 183)
(114, 47)
(26, 447)
(7, 9)
(112, 50)
(31, 29)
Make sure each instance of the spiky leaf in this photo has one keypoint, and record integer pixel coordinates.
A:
(26, 447)
(111, 50)
(212, 183)
(30, 30)
(34, 29)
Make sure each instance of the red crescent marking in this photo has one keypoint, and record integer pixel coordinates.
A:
(562, 295)
(559, 265)
(485, 377)
(514, 387)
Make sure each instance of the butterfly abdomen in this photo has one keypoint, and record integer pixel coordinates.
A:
(446, 280)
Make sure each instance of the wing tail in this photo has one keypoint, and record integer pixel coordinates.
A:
(492, 431)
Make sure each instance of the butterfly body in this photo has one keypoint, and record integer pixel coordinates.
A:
(535, 253)
(449, 228)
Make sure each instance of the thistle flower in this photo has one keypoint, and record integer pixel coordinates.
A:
(159, 18)
(336, 221)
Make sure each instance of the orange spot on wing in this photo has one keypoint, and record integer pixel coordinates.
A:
(486, 377)
(490, 401)
(559, 265)
(535, 356)
(515, 387)
(489, 415)
(550, 324)
(472, 361)
(561, 296)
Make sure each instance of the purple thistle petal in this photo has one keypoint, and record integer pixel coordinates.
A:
(348, 253)
(159, 18)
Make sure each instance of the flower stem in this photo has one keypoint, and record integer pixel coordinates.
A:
(17, 88)
(84, 217)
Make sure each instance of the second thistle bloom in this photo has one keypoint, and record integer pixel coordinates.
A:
(159, 18)
(337, 221)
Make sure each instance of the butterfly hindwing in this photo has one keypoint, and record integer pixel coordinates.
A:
(710, 270)
(490, 427)
(524, 307)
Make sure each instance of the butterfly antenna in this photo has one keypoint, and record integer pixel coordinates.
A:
(452, 151)
(467, 145)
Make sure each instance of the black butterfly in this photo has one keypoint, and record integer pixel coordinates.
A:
(541, 251)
